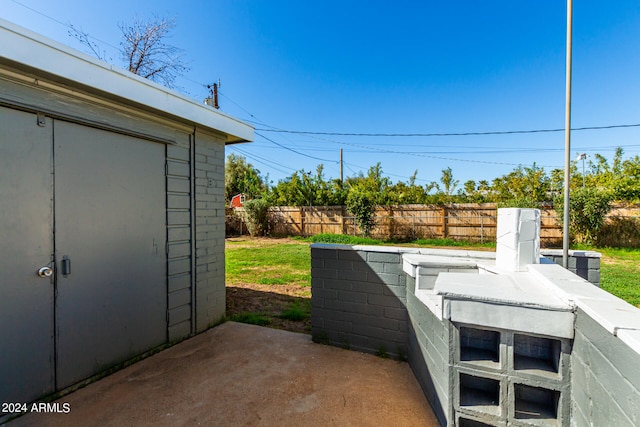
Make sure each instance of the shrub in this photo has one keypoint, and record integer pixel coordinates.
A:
(361, 204)
(256, 216)
(588, 208)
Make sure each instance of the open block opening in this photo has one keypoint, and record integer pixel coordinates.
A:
(483, 394)
(466, 422)
(479, 346)
(536, 402)
(535, 354)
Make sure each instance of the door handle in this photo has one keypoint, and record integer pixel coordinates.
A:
(65, 266)
(45, 272)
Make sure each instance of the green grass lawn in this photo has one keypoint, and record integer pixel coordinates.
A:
(271, 263)
(276, 274)
(620, 273)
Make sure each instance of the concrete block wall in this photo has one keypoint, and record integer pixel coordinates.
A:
(195, 255)
(358, 302)
(179, 268)
(605, 377)
(209, 230)
(358, 299)
(585, 264)
(430, 354)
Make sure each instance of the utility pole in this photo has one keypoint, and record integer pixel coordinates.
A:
(567, 141)
(341, 165)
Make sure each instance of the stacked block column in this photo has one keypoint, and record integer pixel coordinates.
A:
(209, 230)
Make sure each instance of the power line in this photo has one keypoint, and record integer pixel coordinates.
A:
(294, 151)
(265, 162)
(510, 132)
(69, 26)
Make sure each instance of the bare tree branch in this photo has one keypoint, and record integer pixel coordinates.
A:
(145, 53)
(85, 39)
(143, 49)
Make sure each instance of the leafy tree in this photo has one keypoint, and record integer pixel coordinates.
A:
(242, 177)
(304, 189)
(449, 184)
(361, 204)
(528, 186)
(444, 192)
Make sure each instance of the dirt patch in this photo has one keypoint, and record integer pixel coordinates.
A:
(268, 302)
(250, 242)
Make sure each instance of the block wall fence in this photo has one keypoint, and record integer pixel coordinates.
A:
(363, 300)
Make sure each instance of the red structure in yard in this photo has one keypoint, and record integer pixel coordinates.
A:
(237, 201)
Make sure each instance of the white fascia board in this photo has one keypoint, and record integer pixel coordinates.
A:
(35, 52)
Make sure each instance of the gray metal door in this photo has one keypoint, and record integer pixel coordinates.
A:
(26, 244)
(110, 249)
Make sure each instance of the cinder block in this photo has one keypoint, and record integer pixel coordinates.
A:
(337, 325)
(325, 293)
(316, 263)
(367, 287)
(393, 258)
(593, 276)
(338, 284)
(325, 273)
(396, 313)
(356, 297)
(395, 268)
(350, 255)
(179, 331)
(611, 347)
(346, 306)
(387, 278)
(340, 265)
(387, 337)
(179, 153)
(606, 411)
(410, 284)
(376, 267)
(350, 275)
(182, 281)
(397, 291)
(609, 378)
(385, 301)
(324, 253)
(316, 302)
(179, 266)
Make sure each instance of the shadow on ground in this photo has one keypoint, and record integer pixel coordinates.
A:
(262, 307)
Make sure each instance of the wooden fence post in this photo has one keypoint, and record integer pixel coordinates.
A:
(444, 222)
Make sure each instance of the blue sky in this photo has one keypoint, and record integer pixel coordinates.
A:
(407, 67)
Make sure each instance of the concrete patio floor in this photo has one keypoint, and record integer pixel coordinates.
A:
(237, 374)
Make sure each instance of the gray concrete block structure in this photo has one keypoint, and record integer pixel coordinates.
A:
(585, 264)
(540, 346)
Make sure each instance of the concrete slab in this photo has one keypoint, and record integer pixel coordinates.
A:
(237, 374)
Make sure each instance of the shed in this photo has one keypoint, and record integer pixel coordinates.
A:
(111, 215)
(238, 200)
